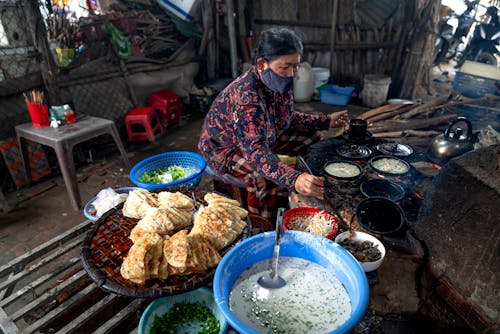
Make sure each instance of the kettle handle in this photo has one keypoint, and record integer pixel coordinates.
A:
(459, 119)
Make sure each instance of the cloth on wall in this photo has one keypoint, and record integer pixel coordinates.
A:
(11, 155)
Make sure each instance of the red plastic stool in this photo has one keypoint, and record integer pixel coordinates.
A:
(168, 105)
(142, 124)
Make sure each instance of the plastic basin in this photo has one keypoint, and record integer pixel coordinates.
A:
(296, 244)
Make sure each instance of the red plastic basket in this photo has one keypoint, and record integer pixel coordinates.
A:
(304, 212)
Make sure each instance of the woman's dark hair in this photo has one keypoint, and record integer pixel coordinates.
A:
(277, 42)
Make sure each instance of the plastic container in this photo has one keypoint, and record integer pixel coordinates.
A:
(296, 244)
(39, 115)
(164, 160)
(303, 83)
(321, 77)
(375, 89)
(162, 305)
(336, 95)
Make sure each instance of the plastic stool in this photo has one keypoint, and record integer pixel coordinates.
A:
(149, 123)
(168, 105)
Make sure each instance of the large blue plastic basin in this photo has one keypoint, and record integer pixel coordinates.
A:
(296, 244)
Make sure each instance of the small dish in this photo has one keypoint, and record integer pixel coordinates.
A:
(357, 238)
(162, 305)
(88, 209)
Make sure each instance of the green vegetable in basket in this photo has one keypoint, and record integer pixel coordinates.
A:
(164, 175)
(185, 314)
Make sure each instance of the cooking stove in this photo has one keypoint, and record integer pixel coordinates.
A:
(343, 196)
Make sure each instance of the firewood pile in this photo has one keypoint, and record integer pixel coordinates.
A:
(418, 122)
(156, 34)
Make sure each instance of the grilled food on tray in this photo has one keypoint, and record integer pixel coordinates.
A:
(161, 226)
(143, 259)
(138, 202)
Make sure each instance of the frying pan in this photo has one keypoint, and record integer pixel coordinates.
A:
(382, 188)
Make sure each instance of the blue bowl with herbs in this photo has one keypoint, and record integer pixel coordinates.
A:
(170, 169)
(191, 312)
(290, 314)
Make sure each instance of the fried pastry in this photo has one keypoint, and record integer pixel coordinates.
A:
(217, 225)
(175, 200)
(138, 202)
(143, 259)
(156, 220)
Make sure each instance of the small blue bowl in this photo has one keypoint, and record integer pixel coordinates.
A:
(304, 245)
(162, 305)
(88, 206)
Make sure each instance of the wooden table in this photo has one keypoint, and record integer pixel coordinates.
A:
(62, 139)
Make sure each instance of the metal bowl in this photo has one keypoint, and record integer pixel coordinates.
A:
(339, 176)
(390, 170)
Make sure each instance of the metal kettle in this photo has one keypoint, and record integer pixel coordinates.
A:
(455, 141)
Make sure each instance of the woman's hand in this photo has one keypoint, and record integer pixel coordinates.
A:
(310, 185)
(338, 118)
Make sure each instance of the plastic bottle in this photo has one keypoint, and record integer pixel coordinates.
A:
(303, 83)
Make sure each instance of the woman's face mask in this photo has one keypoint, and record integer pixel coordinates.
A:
(276, 82)
(280, 72)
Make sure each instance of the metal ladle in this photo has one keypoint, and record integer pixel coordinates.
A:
(272, 280)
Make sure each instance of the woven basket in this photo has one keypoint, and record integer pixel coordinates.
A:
(164, 160)
(106, 245)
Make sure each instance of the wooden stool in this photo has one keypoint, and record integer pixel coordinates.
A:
(142, 124)
(168, 105)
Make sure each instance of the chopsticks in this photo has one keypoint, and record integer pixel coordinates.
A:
(35, 97)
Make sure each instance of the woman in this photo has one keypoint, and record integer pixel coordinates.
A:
(252, 120)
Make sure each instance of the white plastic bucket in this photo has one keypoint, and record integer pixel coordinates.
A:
(303, 83)
(321, 77)
(375, 89)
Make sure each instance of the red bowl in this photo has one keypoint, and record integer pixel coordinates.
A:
(304, 212)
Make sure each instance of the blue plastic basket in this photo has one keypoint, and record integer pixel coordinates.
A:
(164, 160)
(336, 95)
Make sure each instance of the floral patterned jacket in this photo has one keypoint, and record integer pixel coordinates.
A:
(249, 117)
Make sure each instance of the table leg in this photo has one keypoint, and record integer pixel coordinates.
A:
(23, 149)
(119, 144)
(67, 165)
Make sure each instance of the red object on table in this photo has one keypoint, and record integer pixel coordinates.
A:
(70, 117)
(39, 114)
(305, 212)
(168, 105)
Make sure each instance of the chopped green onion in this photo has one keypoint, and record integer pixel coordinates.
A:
(182, 313)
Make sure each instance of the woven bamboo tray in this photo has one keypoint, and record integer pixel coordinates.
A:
(106, 245)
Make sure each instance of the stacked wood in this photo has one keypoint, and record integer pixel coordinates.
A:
(418, 120)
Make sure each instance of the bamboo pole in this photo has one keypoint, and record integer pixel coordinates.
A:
(333, 33)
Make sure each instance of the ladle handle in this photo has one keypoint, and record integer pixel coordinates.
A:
(279, 229)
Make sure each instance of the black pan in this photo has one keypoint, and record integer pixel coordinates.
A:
(382, 188)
